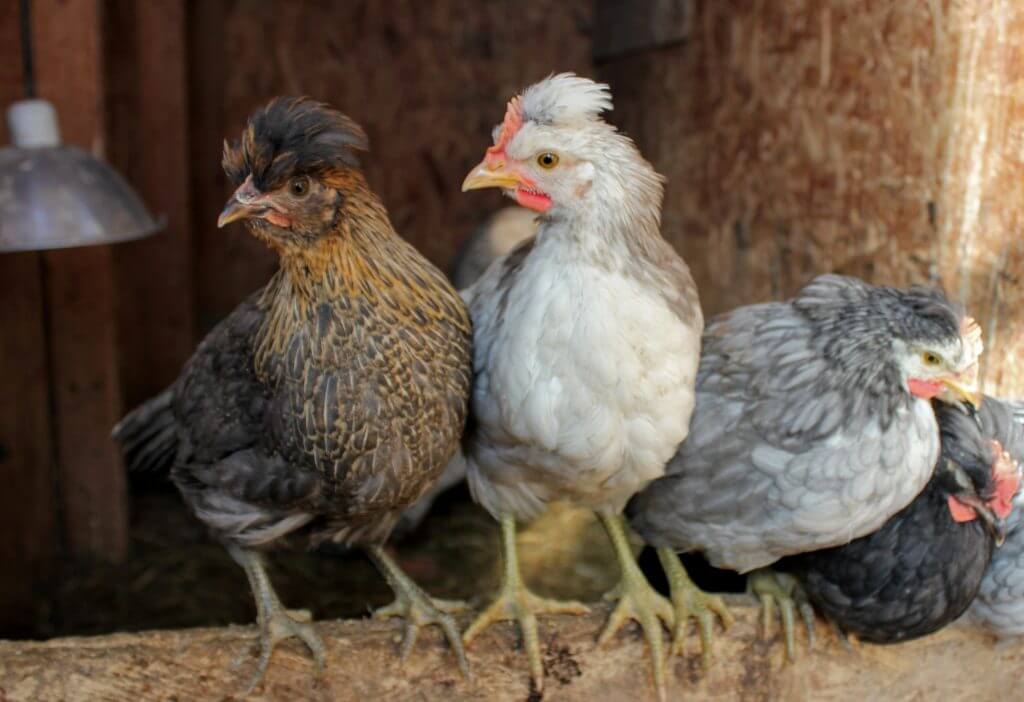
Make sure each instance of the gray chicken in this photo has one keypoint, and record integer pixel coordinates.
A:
(586, 344)
(999, 606)
(813, 426)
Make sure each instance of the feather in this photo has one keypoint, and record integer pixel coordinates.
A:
(291, 136)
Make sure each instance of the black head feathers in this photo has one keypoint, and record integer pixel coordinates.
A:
(292, 136)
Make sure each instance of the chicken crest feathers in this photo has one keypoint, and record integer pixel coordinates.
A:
(290, 136)
(850, 307)
(562, 99)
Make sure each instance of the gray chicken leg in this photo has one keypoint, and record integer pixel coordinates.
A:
(417, 608)
(688, 601)
(782, 589)
(276, 624)
(515, 602)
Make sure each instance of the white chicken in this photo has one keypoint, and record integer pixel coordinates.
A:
(587, 340)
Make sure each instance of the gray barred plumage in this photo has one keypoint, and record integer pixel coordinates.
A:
(805, 435)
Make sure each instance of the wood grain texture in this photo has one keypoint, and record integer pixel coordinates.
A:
(626, 26)
(873, 138)
(67, 40)
(427, 81)
(28, 520)
(145, 52)
(28, 524)
(215, 664)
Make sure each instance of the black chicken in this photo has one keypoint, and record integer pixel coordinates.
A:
(333, 397)
(922, 569)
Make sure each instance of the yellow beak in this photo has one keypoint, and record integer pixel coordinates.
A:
(488, 175)
(245, 203)
(233, 212)
(959, 391)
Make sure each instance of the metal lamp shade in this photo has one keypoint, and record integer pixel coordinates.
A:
(60, 196)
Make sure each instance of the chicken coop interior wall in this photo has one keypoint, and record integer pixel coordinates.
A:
(424, 80)
(875, 138)
(154, 88)
(878, 139)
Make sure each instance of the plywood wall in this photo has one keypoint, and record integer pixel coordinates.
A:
(876, 138)
(427, 81)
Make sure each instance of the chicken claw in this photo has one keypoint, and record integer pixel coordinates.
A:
(279, 625)
(771, 588)
(515, 602)
(275, 622)
(688, 600)
(418, 609)
(636, 600)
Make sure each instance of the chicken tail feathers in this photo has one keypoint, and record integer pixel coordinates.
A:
(148, 435)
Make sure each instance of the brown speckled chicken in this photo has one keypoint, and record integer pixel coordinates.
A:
(333, 397)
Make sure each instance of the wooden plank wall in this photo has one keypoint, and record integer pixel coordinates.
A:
(86, 329)
(876, 138)
(28, 530)
(67, 49)
(148, 112)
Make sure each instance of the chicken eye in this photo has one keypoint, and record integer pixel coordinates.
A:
(931, 359)
(547, 160)
(299, 186)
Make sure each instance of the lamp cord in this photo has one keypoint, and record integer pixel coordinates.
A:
(28, 74)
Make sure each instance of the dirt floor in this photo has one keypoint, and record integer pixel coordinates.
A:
(176, 576)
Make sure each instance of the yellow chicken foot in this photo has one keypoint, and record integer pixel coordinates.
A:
(688, 600)
(636, 600)
(417, 608)
(771, 588)
(515, 602)
(276, 624)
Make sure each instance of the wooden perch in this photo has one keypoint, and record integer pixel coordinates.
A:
(215, 664)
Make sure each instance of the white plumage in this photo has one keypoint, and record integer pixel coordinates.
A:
(586, 341)
(584, 380)
(565, 99)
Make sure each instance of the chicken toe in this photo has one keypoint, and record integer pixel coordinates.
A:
(688, 601)
(784, 590)
(275, 622)
(418, 609)
(637, 600)
(515, 602)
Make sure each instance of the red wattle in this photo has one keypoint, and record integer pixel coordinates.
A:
(960, 511)
(537, 202)
(1006, 488)
(925, 389)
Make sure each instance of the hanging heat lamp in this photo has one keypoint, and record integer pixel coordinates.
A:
(53, 195)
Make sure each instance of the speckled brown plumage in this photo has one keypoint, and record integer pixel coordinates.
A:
(372, 392)
(350, 368)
